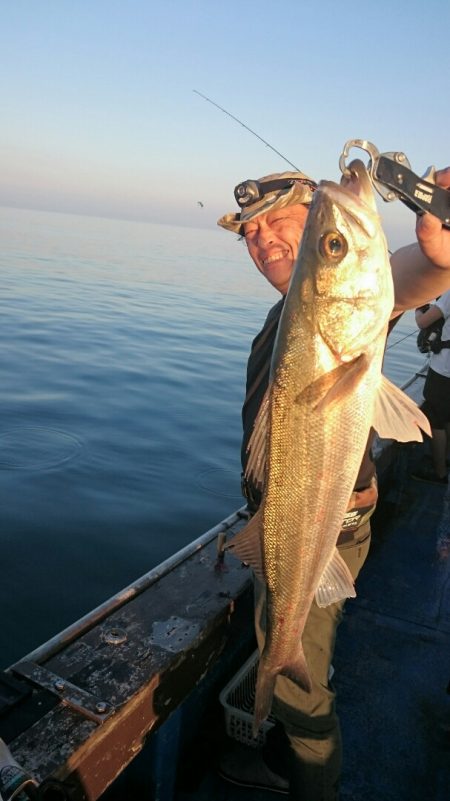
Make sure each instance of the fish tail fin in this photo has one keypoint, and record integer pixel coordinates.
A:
(297, 670)
(265, 686)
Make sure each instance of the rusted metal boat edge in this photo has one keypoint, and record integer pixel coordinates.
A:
(78, 709)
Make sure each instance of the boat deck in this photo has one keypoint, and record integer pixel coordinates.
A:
(392, 660)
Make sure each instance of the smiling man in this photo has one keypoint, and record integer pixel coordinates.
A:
(273, 216)
(273, 240)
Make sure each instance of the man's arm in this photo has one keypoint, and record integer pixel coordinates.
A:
(425, 318)
(421, 271)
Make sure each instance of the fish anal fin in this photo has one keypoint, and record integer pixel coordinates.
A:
(396, 416)
(334, 385)
(247, 545)
(336, 582)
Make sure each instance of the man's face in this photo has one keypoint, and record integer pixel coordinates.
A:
(273, 241)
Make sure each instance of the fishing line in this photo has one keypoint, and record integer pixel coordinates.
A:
(228, 113)
(247, 128)
(397, 341)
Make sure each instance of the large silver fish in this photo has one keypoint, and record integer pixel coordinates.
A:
(325, 392)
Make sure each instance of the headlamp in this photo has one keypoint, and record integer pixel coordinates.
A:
(249, 191)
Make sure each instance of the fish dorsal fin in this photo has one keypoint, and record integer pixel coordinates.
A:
(334, 385)
(257, 444)
(396, 416)
(247, 545)
(336, 582)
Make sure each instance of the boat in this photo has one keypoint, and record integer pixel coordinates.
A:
(128, 702)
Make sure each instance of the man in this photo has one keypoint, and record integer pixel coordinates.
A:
(302, 755)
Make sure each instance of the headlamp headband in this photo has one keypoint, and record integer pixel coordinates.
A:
(249, 191)
(271, 192)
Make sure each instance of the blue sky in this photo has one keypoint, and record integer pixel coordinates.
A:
(99, 114)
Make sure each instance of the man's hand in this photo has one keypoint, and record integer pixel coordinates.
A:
(433, 238)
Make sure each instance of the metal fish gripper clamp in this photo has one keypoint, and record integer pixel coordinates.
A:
(393, 179)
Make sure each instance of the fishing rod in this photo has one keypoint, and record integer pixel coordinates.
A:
(247, 128)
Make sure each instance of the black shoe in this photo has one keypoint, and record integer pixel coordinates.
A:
(245, 767)
(428, 475)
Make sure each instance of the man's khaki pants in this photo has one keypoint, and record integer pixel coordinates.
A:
(309, 720)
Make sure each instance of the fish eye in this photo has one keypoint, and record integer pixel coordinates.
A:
(333, 246)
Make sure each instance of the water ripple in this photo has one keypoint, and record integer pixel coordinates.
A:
(36, 448)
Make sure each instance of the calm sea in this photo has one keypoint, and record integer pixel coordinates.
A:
(122, 360)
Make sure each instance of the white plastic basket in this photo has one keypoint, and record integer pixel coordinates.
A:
(238, 699)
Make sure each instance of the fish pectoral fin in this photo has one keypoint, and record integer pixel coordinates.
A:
(257, 444)
(396, 416)
(334, 385)
(247, 545)
(336, 582)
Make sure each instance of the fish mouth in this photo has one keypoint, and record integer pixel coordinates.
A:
(357, 181)
(355, 194)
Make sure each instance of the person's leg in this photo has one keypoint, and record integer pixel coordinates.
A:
(439, 451)
(436, 408)
(309, 719)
